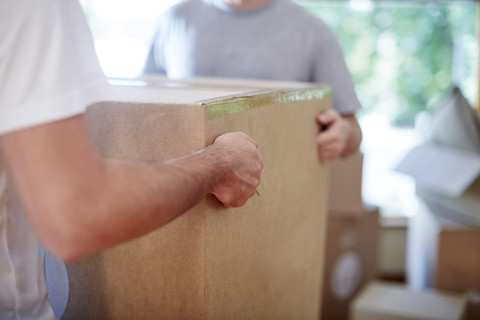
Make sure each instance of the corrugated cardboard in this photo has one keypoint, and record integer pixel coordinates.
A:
(388, 301)
(350, 260)
(261, 261)
(345, 195)
(443, 254)
(458, 260)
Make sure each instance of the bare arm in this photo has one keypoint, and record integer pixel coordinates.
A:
(78, 203)
(342, 136)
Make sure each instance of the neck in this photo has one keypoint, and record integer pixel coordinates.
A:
(245, 5)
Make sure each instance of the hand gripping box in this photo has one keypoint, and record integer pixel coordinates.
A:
(260, 261)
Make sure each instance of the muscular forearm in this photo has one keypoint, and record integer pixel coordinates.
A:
(78, 203)
(127, 200)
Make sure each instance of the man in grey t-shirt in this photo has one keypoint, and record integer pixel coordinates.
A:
(260, 39)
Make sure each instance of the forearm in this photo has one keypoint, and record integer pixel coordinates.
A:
(127, 200)
(78, 203)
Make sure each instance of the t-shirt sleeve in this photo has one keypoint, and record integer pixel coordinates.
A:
(48, 67)
(330, 68)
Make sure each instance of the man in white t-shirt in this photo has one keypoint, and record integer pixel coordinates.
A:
(54, 186)
(261, 39)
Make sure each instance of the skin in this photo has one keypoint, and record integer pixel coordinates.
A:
(342, 134)
(78, 203)
(341, 138)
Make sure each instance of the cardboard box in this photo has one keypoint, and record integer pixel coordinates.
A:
(388, 301)
(446, 168)
(444, 239)
(458, 260)
(261, 261)
(442, 254)
(350, 260)
(345, 195)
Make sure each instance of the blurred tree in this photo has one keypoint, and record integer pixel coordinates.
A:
(405, 55)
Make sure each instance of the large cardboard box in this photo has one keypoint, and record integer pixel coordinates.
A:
(389, 301)
(350, 260)
(345, 192)
(443, 247)
(261, 261)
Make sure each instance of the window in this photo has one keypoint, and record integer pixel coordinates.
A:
(123, 30)
(404, 57)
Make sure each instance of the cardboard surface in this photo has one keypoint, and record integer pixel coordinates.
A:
(388, 301)
(350, 260)
(458, 261)
(443, 254)
(261, 261)
(345, 194)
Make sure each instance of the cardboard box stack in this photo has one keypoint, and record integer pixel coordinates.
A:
(444, 239)
(352, 239)
(261, 261)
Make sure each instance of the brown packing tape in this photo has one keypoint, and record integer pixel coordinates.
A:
(227, 105)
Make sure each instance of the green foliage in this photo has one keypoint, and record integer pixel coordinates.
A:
(401, 54)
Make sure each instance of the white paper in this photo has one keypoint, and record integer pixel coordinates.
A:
(443, 170)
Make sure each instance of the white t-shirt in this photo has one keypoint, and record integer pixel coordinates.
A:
(278, 41)
(48, 72)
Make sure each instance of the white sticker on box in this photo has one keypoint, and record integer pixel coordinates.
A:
(346, 275)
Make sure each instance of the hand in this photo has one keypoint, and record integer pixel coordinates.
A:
(331, 142)
(242, 167)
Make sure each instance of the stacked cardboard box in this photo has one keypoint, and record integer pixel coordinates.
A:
(444, 254)
(352, 239)
(444, 239)
(261, 261)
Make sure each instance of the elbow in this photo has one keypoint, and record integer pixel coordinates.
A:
(63, 242)
(68, 255)
(70, 234)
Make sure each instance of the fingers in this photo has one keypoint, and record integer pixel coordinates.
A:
(328, 117)
(328, 152)
(243, 169)
(331, 141)
(329, 144)
(233, 137)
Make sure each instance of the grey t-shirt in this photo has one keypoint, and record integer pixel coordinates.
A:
(279, 41)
